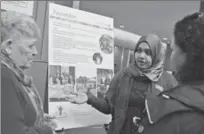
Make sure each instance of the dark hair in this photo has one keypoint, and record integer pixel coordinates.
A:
(189, 37)
(97, 55)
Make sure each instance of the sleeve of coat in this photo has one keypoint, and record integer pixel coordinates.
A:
(173, 81)
(105, 105)
(12, 112)
(170, 81)
(191, 123)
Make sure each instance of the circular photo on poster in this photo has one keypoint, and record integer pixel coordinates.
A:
(97, 58)
(106, 44)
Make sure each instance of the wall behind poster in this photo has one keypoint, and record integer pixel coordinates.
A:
(202, 5)
(137, 19)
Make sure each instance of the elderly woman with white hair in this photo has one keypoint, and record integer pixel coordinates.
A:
(22, 109)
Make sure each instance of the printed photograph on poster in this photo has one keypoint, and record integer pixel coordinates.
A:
(58, 110)
(86, 79)
(61, 82)
(89, 47)
(97, 58)
(70, 115)
(104, 77)
(106, 44)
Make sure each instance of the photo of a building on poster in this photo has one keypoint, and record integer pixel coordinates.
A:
(86, 80)
(61, 82)
(81, 59)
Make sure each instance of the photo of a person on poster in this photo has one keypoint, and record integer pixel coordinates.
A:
(106, 44)
(104, 77)
(97, 58)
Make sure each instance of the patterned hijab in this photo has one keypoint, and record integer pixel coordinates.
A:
(158, 56)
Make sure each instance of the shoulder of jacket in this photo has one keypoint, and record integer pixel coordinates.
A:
(167, 76)
(7, 74)
(167, 81)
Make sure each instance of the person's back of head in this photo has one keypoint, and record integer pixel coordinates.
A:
(189, 38)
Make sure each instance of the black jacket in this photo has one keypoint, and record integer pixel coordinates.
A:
(176, 111)
(18, 115)
(117, 98)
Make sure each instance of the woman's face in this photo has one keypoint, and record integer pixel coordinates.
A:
(24, 51)
(177, 56)
(143, 56)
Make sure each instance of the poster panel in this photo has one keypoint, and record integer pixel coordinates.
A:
(81, 59)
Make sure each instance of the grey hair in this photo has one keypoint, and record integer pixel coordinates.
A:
(14, 23)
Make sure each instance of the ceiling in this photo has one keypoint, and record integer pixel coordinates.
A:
(143, 17)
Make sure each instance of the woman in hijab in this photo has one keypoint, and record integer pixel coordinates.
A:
(22, 109)
(127, 93)
(180, 110)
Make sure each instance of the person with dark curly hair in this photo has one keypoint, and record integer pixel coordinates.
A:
(97, 58)
(180, 110)
(106, 43)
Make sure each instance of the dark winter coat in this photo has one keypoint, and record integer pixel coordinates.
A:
(176, 111)
(18, 115)
(117, 98)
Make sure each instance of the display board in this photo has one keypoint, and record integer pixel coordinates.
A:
(25, 7)
(80, 59)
